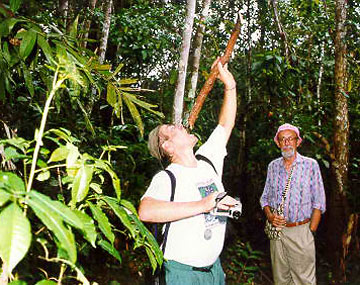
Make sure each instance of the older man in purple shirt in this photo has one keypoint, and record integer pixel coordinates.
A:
(293, 256)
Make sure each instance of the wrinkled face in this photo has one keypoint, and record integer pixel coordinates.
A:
(174, 138)
(288, 143)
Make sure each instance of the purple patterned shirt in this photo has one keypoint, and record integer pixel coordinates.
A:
(306, 188)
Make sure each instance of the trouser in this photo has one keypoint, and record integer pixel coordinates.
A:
(293, 256)
(179, 274)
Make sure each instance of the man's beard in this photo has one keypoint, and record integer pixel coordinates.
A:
(287, 152)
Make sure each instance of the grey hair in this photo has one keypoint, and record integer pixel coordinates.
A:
(154, 146)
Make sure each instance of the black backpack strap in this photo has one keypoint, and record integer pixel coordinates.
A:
(204, 158)
(167, 225)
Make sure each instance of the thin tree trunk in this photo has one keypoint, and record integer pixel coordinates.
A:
(213, 74)
(197, 49)
(88, 23)
(338, 210)
(318, 88)
(105, 31)
(63, 10)
(180, 85)
(281, 30)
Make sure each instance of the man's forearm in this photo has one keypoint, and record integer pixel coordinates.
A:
(157, 211)
(315, 220)
(228, 109)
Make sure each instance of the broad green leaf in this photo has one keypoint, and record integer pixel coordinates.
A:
(117, 70)
(44, 45)
(134, 113)
(152, 258)
(74, 28)
(89, 125)
(46, 282)
(11, 182)
(27, 43)
(54, 223)
(111, 97)
(4, 197)
(121, 213)
(43, 176)
(17, 142)
(15, 235)
(11, 153)
(129, 206)
(89, 228)
(28, 78)
(71, 159)
(7, 25)
(15, 5)
(115, 180)
(103, 222)
(46, 204)
(81, 183)
(96, 187)
(59, 154)
(18, 282)
(110, 249)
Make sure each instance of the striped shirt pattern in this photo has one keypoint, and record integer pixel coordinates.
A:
(306, 188)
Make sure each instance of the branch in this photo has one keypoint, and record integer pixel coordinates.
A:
(205, 90)
(326, 144)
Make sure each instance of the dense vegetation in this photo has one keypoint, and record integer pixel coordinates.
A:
(75, 117)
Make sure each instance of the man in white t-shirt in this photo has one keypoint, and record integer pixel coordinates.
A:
(195, 237)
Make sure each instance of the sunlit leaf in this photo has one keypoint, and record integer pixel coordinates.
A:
(46, 282)
(11, 182)
(103, 222)
(59, 154)
(110, 249)
(81, 183)
(4, 197)
(43, 176)
(88, 226)
(44, 45)
(15, 5)
(134, 113)
(27, 43)
(15, 235)
(44, 202)
(54, 223)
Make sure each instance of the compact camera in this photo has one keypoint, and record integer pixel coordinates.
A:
(233, 212)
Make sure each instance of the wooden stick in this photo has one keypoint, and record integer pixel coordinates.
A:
(205, 90)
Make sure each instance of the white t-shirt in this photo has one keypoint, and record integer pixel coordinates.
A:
(198, 240)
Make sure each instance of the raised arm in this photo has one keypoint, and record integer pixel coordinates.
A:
(228, 109)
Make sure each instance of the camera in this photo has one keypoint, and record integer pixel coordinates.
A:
(233, 212)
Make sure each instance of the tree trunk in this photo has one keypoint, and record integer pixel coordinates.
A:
(197, 49)
(63, 10)
(338, 210)
(180, 85)
(88, 22)
(281, 30)
(105, 30)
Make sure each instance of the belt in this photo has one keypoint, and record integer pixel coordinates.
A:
(202, 269)
(289, 225)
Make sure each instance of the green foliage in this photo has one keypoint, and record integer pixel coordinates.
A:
(67, 216)
(241, 263)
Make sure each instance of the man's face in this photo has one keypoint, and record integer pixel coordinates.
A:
(176, 137)
(288, 143)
